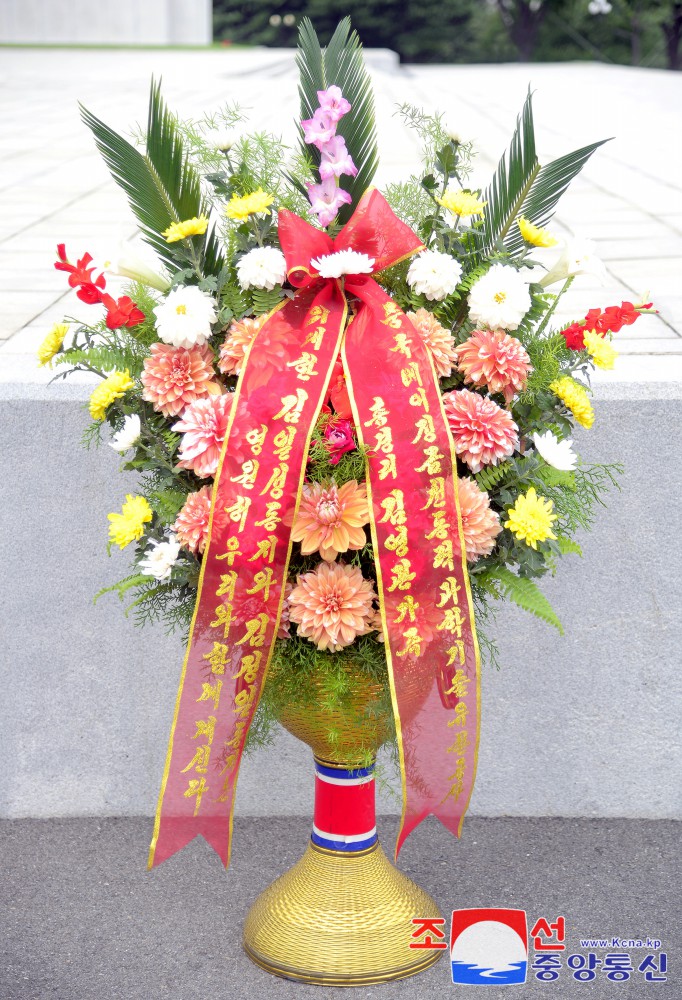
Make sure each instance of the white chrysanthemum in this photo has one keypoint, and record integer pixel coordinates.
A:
(434, 274)
(334, 265)
(500, 299)
(557, 453)
(577, 257)
(263, 267)
(184, 317)
(128, 435)
(160, 558)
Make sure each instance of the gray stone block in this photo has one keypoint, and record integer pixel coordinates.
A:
(585, 725)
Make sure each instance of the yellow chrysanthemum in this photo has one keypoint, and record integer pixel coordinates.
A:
(575, 398)
(250, 204)
(128, 526)
(462, 203)
(113, 387)
(536, 236)
(183, 230)
(52, 343)
(599, 349)
(531, 518)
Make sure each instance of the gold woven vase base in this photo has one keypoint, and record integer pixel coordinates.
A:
(338, 919)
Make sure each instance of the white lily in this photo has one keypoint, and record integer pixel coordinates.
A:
(577, 257)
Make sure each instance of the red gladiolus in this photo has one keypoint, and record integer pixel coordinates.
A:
(338, 393)
(121, 312)
(80, 276)
(611, 320)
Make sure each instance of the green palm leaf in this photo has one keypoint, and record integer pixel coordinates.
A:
(340, 64)
(162, 185)
(522, 187)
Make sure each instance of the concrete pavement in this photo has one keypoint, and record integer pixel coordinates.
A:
(83, 920)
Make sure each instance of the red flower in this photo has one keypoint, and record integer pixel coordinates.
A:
(338, 393)
(121, 312)
(611, 320)
(339, 437)
(80, 276)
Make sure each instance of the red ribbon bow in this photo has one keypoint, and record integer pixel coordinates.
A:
(416, 532)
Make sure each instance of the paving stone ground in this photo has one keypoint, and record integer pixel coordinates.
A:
(54, 186)
(83, 920)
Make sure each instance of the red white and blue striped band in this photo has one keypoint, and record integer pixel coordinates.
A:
(344, 808)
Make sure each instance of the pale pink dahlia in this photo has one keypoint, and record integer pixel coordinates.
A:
(176, 376)
(438, 340)
(191, 524)
(203, 425)
(284, 630)
(331, 518)
(238, 340)
(480, 524)
(484, 433)
(494, 359)
(332, 605)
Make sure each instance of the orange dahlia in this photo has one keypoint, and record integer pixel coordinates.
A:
(494, 359)
(175, 376)
(437, 339)
(238, 340)
(332, 605)
(330, 519)
(480, 524)
(483, 433)
(191, 524)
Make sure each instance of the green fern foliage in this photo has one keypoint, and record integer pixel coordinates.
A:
(523, 592)
(161, 185)
(340, 64)
(522, 187)
(490, 476)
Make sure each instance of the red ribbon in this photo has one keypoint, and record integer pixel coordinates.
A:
(416, 530)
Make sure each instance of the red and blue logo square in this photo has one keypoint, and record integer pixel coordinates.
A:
(489, 946)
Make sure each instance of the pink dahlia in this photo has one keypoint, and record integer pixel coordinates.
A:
(203, 425)
(191, 524)
(480, 524)
(238, 340)
(437, 339)
(175, 376)
(484, 433)
(494, 359)
(284, 630)
(332, 605)
(330, 519)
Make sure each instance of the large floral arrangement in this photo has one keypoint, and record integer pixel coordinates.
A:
(169, 353)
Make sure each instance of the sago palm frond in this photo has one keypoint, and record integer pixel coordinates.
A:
(341, 64)
(521, 187)
(162, 186)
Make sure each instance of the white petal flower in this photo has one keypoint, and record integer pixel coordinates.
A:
(434, 274)
(131, 265)
(577, 257)
(334, 265)
(557, 453)
(128, 435)
(184, 317)
(500, 299)
(263, 267)
(160, 558)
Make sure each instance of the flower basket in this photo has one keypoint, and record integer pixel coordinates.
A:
(350, 413)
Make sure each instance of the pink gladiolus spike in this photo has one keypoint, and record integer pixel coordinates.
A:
(326, 200)
(319, 129)
(333, 101)
(336, 160)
